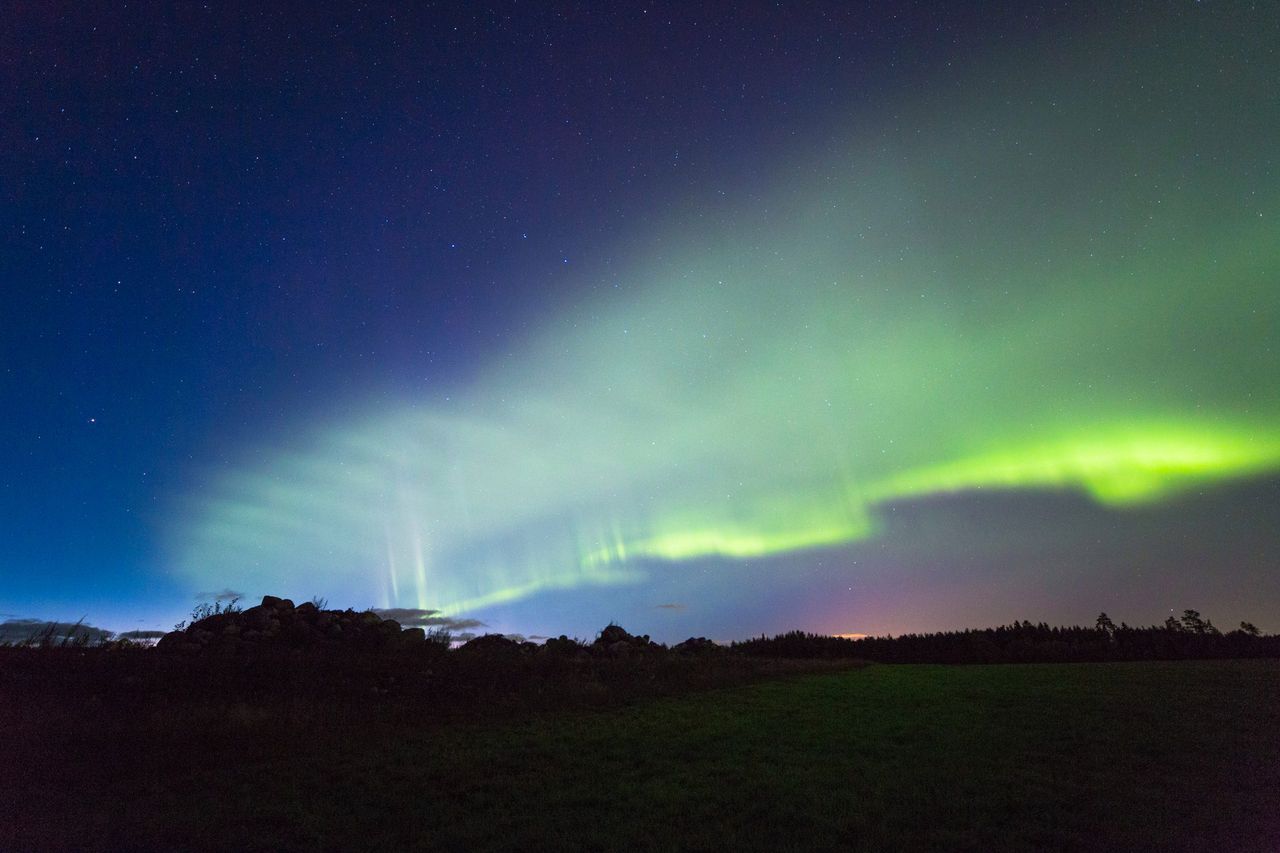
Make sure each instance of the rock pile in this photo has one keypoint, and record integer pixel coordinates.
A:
(697, 646)
(277, 622)
(562, 646)
(616, 642)
(495, 645)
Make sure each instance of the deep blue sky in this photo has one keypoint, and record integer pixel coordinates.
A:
(224, 222)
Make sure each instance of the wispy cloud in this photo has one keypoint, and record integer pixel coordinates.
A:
(225, 594)
(413, 617)
(140, 635)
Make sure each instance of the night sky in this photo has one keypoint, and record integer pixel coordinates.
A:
(710, 320)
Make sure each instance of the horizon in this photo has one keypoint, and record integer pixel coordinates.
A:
(463, 630)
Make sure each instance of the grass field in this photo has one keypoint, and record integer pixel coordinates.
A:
(1155, 756)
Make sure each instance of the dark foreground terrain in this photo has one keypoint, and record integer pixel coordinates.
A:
(308, 754)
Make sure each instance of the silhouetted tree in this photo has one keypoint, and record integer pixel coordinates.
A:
(1192, 622)
(1194, 637)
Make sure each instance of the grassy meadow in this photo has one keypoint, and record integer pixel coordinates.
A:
(1132, 756)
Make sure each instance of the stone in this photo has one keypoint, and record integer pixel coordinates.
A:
(257, 617)
(696, 646)
(490, 644)
(298, 631)
(613, 634)
(217, 621)
(562, 645)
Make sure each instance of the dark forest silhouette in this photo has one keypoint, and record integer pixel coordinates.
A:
(1192, 637)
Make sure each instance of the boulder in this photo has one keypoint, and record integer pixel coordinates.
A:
(490, 644)
(299, 631)
(217, 621)
(562, 646)
(171, 641)
(696, 646)
(613, 634)
(257, 617)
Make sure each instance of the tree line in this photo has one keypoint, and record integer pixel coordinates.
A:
(1190, 637)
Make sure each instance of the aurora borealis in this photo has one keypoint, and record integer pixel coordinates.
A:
(998, 340)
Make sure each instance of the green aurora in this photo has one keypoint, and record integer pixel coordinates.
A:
(1070, 281)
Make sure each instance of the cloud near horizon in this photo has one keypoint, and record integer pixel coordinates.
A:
(413, 617)
(141, 635)
(17, 630)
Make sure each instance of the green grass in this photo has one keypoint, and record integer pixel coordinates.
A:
(1157, 756)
